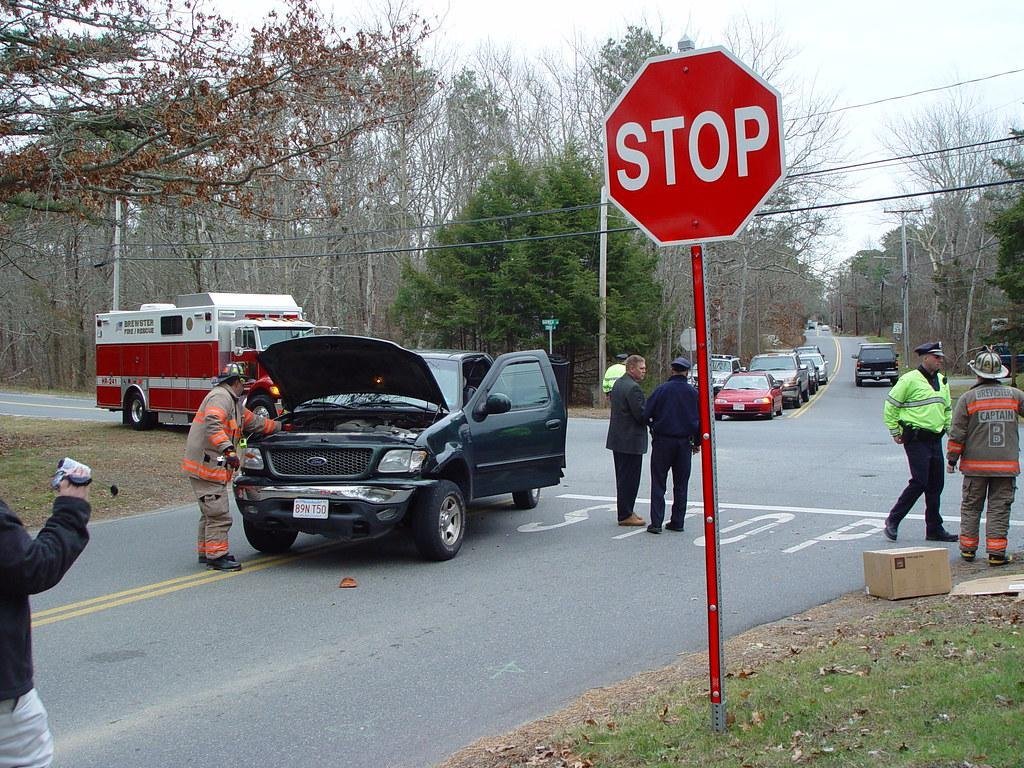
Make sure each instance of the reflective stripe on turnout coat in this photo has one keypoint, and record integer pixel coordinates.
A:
(218, 425)
(984, 435)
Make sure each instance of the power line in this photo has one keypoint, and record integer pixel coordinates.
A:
(915, 93)
(531, 214)
(900, 158)
(562, 235)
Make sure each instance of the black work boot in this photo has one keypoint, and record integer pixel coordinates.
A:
(224, 563)
(999, 558)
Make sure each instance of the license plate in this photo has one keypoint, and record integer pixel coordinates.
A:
(739, 407)
(315, 509)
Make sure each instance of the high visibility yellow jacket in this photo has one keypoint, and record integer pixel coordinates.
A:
(914, 402)
(615, 372)
(217, 426)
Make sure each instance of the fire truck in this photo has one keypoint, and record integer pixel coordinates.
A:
(157, 364)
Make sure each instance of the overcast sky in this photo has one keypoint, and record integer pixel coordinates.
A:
(858, 51)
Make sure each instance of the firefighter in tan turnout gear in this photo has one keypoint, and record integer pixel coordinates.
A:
(211, 460)
(985, 442)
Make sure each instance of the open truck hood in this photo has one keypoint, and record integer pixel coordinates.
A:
(314, 367)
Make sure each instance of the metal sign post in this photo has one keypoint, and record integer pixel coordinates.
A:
(709, 480)
(693, 146)
(549, 323)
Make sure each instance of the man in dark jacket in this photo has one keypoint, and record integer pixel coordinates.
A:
(674, 419)
(29, 566)
(627, 437)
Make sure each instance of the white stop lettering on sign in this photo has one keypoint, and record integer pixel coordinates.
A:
(746, 142)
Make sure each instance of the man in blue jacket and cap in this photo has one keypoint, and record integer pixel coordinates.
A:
(673, 417)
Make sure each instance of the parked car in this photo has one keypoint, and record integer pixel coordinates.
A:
(787, 368)
(749, 394)
(813, 355)
(377, 436)
(722, 367)
(824, 328)
(812, 373)
(876, 362)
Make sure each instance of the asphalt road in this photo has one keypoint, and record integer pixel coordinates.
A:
(144, 659)
(53, 407)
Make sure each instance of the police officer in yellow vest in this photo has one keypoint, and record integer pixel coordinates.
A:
(917, 412)
(615, 372)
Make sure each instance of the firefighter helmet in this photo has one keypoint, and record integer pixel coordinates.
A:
(987, 365)
(231, 371)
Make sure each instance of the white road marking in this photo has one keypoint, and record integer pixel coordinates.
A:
(860, 513)
(90, 408)
(843, 534)
(576, 516)
(776, 520)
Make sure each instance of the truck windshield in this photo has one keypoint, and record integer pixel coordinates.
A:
(773, 364)
(449, 378)
(270, 336)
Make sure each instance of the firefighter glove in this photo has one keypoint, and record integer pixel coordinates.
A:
(231, 459)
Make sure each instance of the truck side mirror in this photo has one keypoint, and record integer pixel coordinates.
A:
(495, 403)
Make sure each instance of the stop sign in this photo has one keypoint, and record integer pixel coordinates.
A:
(693, 146)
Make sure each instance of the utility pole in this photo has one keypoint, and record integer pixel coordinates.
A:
(602, 291)
(117, 254)
(905, 279)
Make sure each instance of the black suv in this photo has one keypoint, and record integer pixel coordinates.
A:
(876, 362)
(378, 436)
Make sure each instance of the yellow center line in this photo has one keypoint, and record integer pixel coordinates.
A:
(160, 588)
(831, 379)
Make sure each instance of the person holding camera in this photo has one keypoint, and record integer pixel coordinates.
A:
(918, 413)
(27, 567)
(211, 459)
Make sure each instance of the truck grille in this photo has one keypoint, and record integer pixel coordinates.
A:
(319, 462)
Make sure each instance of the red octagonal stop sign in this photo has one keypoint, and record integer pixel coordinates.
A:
(693, 146)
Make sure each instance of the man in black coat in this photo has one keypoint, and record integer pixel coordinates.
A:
(29, 566)
(673, 416)
(627, 438)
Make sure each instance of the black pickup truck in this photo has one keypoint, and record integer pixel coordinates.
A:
(1003, 350)
(377, 436)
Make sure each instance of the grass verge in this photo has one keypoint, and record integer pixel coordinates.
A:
(946, 692)
(933, 682)
(144, 465)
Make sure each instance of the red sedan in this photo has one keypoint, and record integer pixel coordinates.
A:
(749, 394)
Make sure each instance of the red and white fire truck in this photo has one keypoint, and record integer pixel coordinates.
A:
(157, 364)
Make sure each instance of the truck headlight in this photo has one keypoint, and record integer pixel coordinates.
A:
(252, 458)
(402, 460)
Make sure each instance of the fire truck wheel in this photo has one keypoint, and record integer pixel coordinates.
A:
(271, 542)
(136, 415)
(263, 406)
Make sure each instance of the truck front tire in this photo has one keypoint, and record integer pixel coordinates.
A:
(439, 521)
(270, 542)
